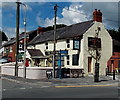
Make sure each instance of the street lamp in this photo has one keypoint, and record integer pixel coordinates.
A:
(17, 37)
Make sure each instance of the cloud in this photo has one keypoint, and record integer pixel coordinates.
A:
(39, 20)
(70, 15)
(109, 10)
(78, 12)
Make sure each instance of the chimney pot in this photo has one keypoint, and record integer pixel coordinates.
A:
(97, 15)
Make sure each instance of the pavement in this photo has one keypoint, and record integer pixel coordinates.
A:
(87, 81)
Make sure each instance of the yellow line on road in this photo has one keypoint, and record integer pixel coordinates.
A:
(82, 86)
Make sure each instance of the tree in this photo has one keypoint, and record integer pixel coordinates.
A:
(115, 34)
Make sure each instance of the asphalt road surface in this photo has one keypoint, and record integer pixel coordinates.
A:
(22, 90)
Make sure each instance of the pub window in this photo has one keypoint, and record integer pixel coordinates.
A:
(10, 49)
(68, 57)
(68, 62)
(46, 44)
(76, 44)
(46, 47)
(75, 59)
(67, 41)
(20, 46)
(68, 45)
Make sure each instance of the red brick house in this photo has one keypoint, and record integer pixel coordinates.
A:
(114, 62)
(10, 46)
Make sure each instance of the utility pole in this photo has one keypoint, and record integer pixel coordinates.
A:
(24, 69)
(54, 50)
(17, 37)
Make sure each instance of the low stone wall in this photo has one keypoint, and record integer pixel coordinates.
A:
(31, 72)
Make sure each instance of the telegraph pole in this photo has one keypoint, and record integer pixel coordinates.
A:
(54, 50)
(25, 42)
(17, 37)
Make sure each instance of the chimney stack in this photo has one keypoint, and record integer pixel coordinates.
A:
(39, 30)
(97, 16)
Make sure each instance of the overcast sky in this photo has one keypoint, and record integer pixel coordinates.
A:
(42, 14)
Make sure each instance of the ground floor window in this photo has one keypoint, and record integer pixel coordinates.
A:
(68, 62)
(75, 59)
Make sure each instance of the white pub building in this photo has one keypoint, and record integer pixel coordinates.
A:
(79, 42)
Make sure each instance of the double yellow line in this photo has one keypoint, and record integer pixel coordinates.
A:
(82, 86)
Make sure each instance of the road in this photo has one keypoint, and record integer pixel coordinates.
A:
(23, 90)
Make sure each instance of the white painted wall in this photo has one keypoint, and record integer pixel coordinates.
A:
(61, 44)
(106, 45)
(31, 72)
(41, 47)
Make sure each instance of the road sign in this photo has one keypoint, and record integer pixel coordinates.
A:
(63, 51)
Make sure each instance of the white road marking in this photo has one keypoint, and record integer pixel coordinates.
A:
(45, 86)
(4, 89)
(22, 88)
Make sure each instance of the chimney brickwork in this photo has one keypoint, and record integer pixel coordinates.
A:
(97, 15)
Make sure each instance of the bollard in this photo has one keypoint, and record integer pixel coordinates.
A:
(96, 76)
(113, 74)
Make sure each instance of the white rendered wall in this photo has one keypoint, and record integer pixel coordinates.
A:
(106, 48)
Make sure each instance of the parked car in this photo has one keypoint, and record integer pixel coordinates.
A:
(5, 59)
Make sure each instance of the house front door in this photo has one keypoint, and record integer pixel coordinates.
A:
(89, 63)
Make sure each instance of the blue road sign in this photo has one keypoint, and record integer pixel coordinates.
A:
(64, 51)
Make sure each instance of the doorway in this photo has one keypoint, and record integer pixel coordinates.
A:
(89, 64)
(119, 66)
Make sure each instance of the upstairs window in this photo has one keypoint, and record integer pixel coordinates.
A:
(10, 49)
(76, 44)
(46, 45)
(68, 43)
(68, 57)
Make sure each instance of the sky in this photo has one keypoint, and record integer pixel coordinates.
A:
(42, 14)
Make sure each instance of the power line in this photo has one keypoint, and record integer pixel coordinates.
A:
(89, 15)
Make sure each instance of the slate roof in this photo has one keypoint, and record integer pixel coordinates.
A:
(62, 33)
(35, 52)
(21, 36)
(71, 31)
